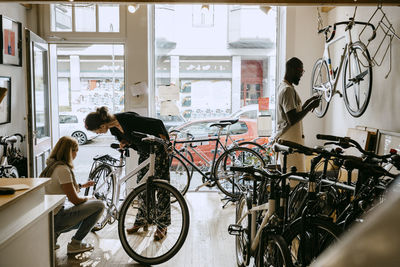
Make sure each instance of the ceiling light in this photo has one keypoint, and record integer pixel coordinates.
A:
(132, 8)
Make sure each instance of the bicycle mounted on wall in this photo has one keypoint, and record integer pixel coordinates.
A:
(355, 65)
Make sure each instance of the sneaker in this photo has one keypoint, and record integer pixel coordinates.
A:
(75, 247)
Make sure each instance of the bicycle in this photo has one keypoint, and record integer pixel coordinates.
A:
(260, 220)
(356, 65)
(146, 199)
(8, 170)
(241, 156)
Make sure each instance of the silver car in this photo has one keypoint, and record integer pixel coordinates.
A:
(72, 125)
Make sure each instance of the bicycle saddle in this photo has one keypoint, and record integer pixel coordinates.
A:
(9, 140)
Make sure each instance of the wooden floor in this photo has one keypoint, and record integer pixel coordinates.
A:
(208, 242)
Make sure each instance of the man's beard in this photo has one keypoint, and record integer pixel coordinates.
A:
(296, 80)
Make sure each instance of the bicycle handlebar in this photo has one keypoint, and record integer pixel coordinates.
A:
(349, 24)
(303, 149)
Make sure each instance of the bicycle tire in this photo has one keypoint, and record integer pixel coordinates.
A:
(231, 183)
(326, 231)
(320, 78)
(242, 241)
(178, 228)
(179, 174)
(98, 175)
(257, 148)
(273, 251)
(363, 60)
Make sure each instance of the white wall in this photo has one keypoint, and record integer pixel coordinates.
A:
(385, 99)
(18, 74)
(303, 42)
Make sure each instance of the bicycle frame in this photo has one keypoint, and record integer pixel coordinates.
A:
(327, 58)
(269, 209)
(217, 143)
(115, 175)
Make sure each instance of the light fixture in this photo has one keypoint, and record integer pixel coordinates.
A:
(132, 8)
(265, 9)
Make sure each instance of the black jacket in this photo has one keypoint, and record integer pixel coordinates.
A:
(131, 121)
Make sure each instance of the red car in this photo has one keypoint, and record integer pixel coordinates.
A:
(243, 130)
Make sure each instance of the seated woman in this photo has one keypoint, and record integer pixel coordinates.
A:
(121, 126)
(76, 213)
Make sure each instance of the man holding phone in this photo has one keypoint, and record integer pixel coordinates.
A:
(291, 111)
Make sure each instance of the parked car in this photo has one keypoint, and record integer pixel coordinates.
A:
(249, 112)
(243, 130)
(72, 125)
(172, 121)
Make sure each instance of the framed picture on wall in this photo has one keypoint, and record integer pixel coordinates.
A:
(11, 42)
(5, 99)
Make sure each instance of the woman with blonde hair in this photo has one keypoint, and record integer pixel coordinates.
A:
(76, 213)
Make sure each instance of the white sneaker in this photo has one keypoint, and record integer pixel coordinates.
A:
(74, 247)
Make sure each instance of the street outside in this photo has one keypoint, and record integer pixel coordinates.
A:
(95, 147)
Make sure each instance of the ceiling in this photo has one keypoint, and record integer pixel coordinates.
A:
(269, 2)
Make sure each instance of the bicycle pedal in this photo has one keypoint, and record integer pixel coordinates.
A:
(235, 229)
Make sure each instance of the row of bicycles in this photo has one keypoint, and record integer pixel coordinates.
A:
(13, 163)
(276, 224)
(280, 225)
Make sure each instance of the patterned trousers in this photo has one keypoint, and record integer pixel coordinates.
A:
(163, 207)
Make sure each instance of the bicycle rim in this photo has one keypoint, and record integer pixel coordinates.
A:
(179, 175)
(357, 79)
(103, 189)
(155, 213)
(229, 182)
(273, 251)
(321, 86)
(319, 234)
(242, 241)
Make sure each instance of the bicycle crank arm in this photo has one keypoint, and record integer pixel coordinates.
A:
(200, 186)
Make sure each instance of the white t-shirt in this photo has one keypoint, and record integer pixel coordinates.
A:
(61, 175)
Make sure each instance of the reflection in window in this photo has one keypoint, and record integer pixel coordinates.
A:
(85, 18)
(61, 17)
(41, 93)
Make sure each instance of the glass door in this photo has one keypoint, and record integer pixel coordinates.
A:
(39, 126)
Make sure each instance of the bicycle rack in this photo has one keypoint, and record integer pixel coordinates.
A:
(386, 28)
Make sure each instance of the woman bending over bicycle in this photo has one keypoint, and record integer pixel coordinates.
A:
(121, 125)
(84, 213)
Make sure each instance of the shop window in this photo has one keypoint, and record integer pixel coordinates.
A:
(84, 18)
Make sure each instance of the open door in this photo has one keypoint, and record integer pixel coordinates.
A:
(39, 120)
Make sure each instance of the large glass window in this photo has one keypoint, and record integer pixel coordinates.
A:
(90, 76)
(223, 62)
(86, 18)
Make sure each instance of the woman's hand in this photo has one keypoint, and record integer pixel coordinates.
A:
(123, 143)
(88, 184)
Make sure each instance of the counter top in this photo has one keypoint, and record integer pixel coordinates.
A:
(33, 183)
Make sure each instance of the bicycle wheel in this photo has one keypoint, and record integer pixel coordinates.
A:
(321, 86)
(179, 175)
(229, 182)
(273, 251)
(242, 241)
(103, 189)
(318, 235)
(357, 79)
(151, 209)
(258, 149)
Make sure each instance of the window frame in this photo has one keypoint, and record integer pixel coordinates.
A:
(74, 36)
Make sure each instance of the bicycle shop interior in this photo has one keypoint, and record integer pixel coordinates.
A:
(189, 64)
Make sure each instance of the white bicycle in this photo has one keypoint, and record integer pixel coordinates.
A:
(147, 201)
